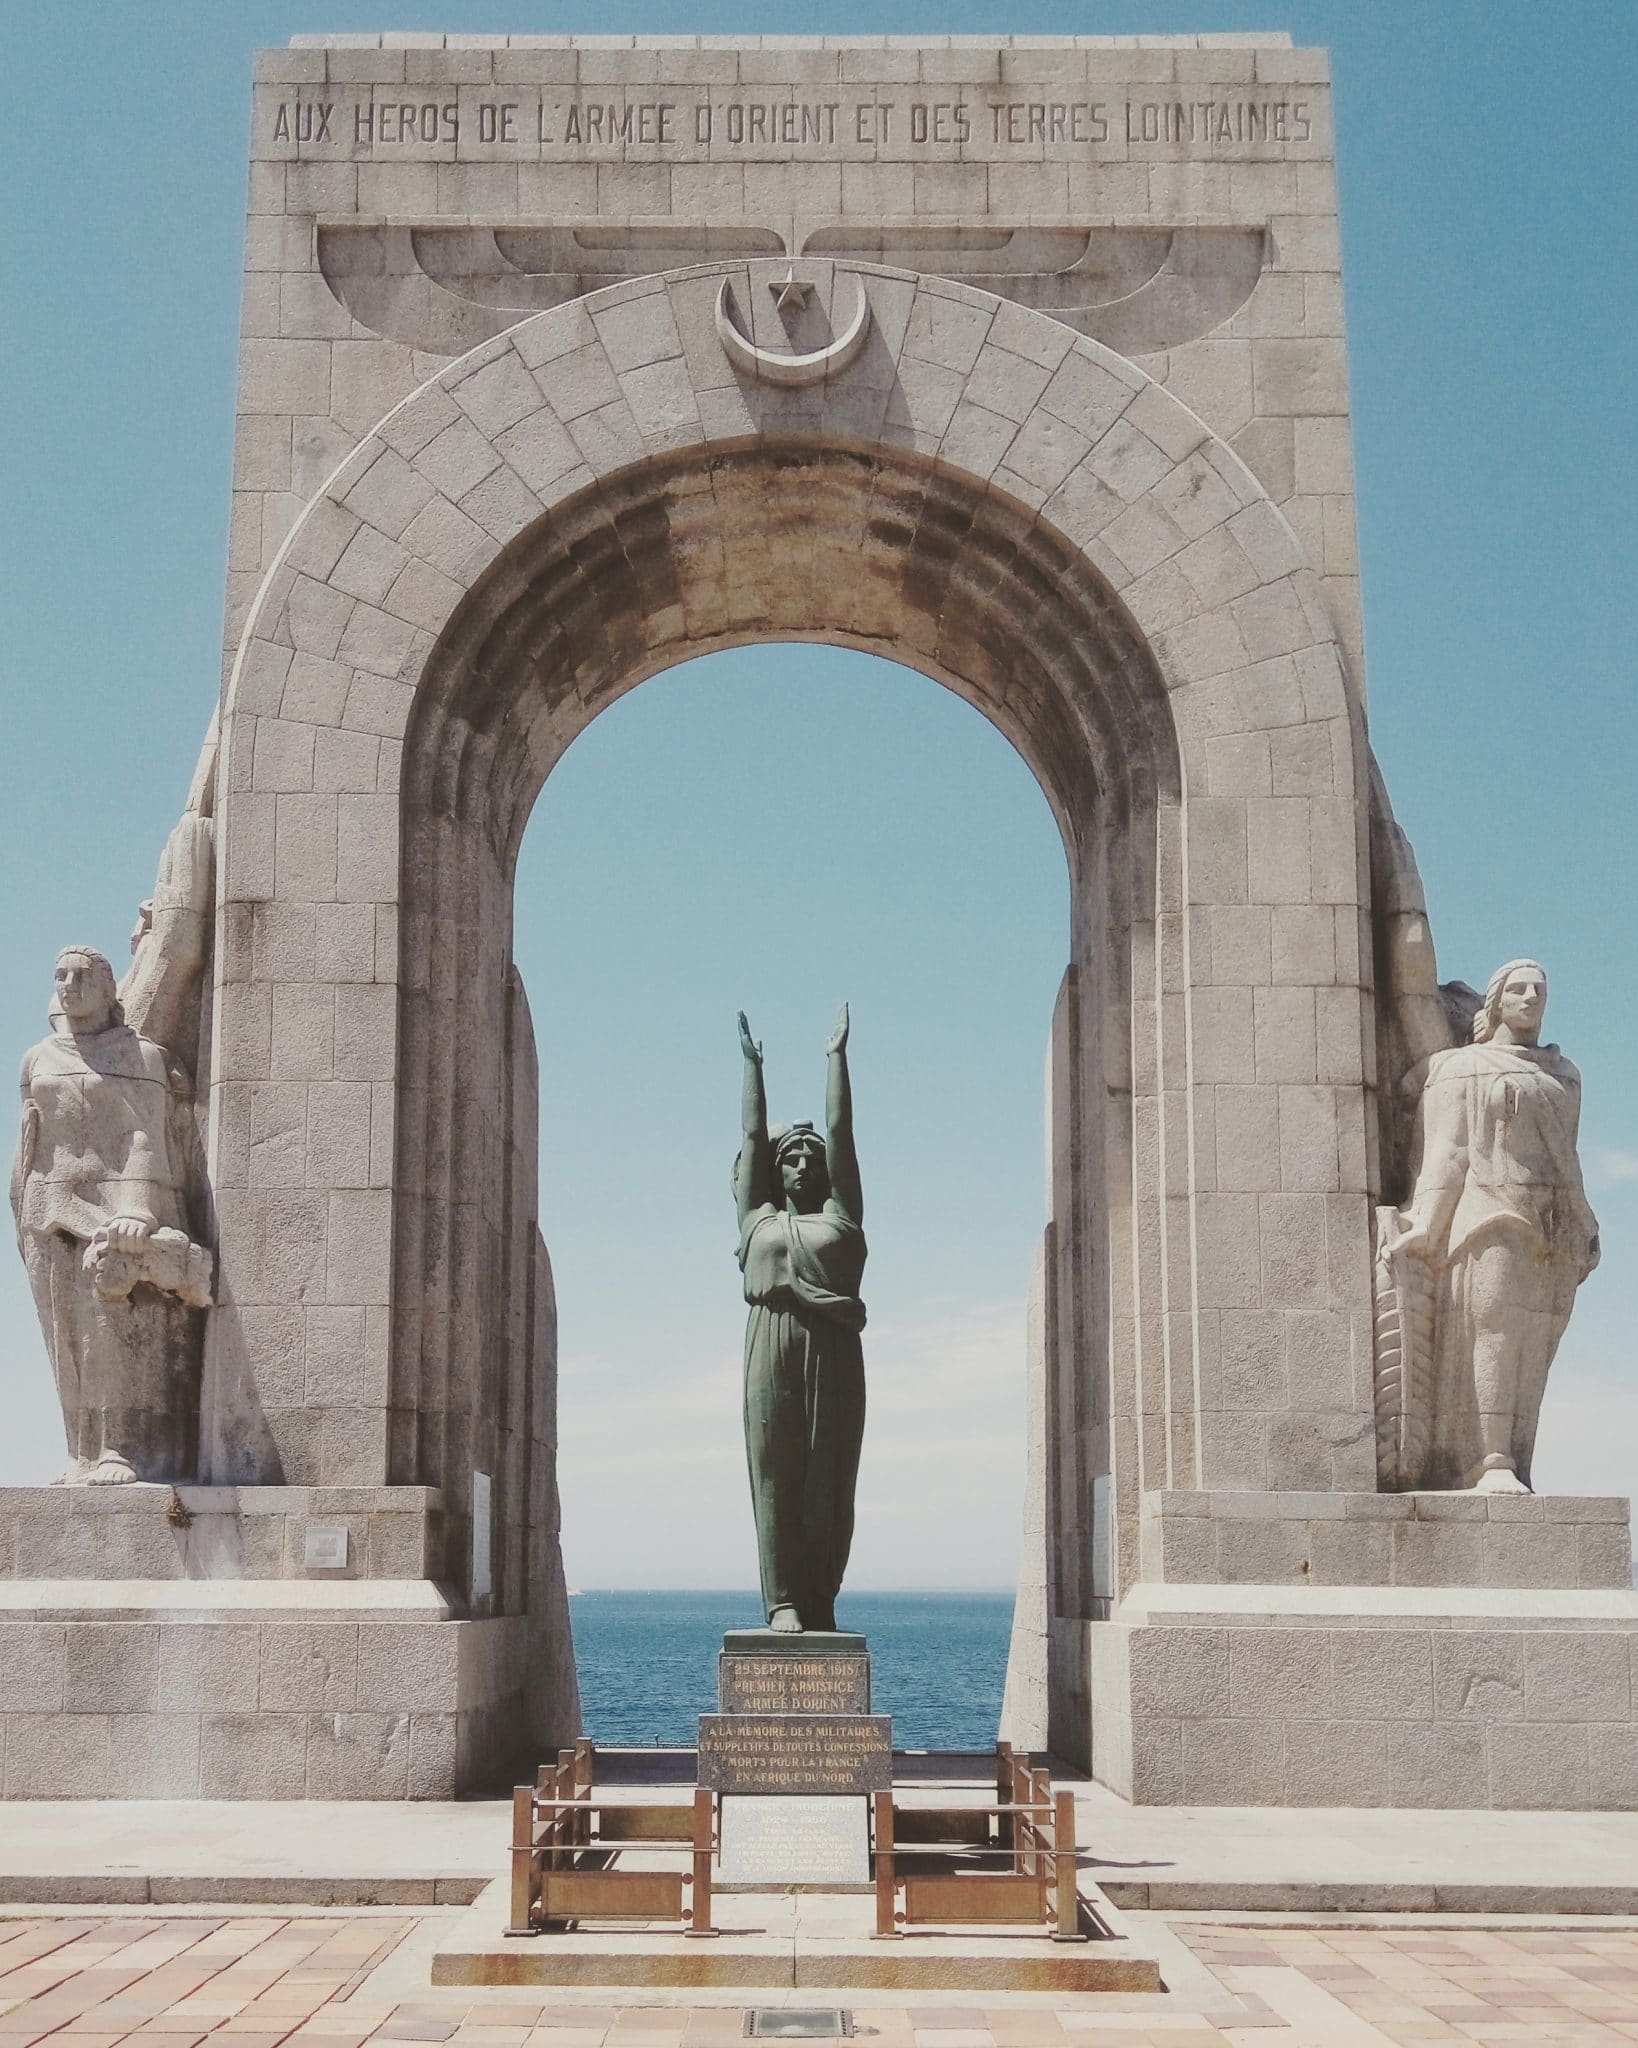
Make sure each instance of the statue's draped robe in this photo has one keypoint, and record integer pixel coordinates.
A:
(107, 1132)
(804, 1399)
(1499, 1183)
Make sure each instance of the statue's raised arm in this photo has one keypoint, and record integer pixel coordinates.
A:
(753, 1178)
(841, 1160)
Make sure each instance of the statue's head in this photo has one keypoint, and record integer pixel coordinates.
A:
(85, 994)
(800, 1173)
(1515, 1002)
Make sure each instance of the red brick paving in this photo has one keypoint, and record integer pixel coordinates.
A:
(261, 1980)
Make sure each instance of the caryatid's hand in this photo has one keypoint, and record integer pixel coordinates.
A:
(837, 1040)
(1411, 1239)
(747, 1044)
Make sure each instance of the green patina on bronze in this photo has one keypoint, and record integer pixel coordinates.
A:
(802, 1251)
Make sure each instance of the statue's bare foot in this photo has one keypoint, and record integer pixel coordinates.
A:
(785, 1621)
(1499, 1479)
(109, 1470)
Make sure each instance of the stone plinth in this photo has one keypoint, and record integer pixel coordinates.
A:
(1387, 1539)
(1374, 1692)
(150, 1650)
(221, 1532)
(795, 1733)
(774, 1938)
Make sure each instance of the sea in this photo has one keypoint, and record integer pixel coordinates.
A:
(648, 1662)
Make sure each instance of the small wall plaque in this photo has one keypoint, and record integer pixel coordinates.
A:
(326, 1550)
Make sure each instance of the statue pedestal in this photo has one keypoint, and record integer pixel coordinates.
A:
(266, 1642)
(795, 1753)
(1325, 1649)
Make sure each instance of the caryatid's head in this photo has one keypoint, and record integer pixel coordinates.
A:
(1514, 1004)
(86, 996)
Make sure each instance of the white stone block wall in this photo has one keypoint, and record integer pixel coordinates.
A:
(1447, 1707)
(184, 1707)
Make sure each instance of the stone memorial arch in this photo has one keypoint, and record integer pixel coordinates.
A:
(1019, 362)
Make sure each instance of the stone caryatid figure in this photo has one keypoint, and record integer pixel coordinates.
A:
(802, 1251)
(1478, 1273)
(106, 1190)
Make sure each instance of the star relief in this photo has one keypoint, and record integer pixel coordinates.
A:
(789, 291)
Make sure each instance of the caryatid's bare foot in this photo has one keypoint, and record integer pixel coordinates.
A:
(109, 1470)
(1499, 1478)
(785, 1621)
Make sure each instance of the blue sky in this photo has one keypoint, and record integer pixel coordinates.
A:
(787, 826)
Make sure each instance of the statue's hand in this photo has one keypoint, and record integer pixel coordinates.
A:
(838, 1037)
(124, 1233)
(747, 1044)
(1594, 1253)
(1412, 1240)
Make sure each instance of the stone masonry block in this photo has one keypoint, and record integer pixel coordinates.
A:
(1383, 1674)
(408, 1666)
(1233, 1763)
(1280, 1673)
(358, 1756)
(1478, 1675)
(1538, 1767)
(1604, 1555)
(1526, 1555)
(153, 1756)
(309, 1667)
(1436, 1764)
(1438, 1554)
(1583, 1677)
(56, 1755)
(1350, 1554)
(1337, 1763)
(111, 1667)
(1612, 1769)
(1182, 1672)
(253, 1756)
(206, 1667)
(32, 1664)
(1263, 1553)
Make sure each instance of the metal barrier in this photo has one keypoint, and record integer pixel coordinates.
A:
(1027, 1824)
(561, 1833)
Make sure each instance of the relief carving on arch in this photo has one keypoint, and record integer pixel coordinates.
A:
(444, 289)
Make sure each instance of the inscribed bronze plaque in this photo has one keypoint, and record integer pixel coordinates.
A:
(792, 1685)
(796, 1753)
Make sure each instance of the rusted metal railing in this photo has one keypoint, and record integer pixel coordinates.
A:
(565, 1840)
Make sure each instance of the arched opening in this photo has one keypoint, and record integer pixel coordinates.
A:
(779, 826)
(880, 553)
(599, 495)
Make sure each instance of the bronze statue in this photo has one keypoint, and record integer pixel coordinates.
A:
(802, 1251)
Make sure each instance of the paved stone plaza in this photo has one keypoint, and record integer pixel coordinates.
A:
(226, 1979)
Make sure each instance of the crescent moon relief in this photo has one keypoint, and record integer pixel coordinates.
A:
(769, 368)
